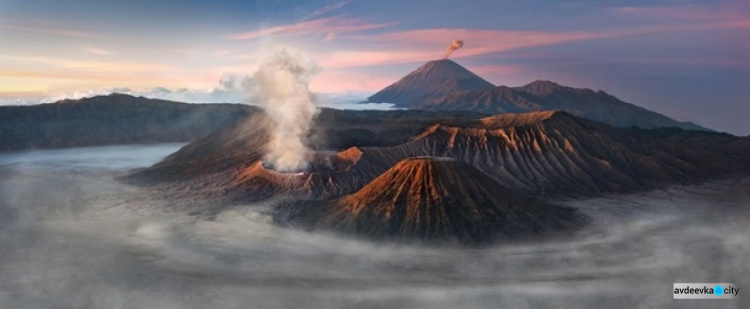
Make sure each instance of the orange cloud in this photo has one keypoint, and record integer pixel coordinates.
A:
(101, 66)
(485, 41)
(311, 27)
(96, 51)
(349, 59)
(35, 74)
(421, 45)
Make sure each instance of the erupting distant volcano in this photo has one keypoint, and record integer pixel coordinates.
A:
(433, 79)
(446, 85)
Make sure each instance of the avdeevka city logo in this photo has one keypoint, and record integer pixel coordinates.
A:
(718, 290)
(705, 291)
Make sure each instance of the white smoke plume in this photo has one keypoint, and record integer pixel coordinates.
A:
(453, 46)
(281, 87)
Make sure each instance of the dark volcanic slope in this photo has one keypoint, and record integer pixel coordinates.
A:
(544, 95)
(544, 153)
(112, 119)
(434, 199)
(433, 79)
(733, 146)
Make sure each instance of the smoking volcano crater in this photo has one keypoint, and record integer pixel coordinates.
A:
(327, 174)
(319, 162)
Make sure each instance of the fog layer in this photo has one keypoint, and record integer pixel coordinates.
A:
(73, 237)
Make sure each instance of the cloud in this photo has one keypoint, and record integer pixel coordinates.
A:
(410, 46)
(218, 94)
(358, 58)
(328, 8)
(183, 52)
(351, 100)
(90, 66)
(116, 66)
(229, 89)
(221, 94)
(47, 29)
(495, 70)
(426, 44)
(332, 80)
(97, 51)
(685, 13)
(323, 26)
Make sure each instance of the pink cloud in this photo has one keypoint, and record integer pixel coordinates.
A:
(689, 13)
(97, 51)
(494, 70)
(348, 80)
(324, 26)
(479, 42)
(348, 59)
(427, 44)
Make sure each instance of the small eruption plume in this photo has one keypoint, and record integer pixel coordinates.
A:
(281, 87)
(455, 44)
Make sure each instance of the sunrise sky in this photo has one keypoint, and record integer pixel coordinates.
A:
(686, 59)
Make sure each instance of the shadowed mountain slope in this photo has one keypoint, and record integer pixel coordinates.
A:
(544, 95)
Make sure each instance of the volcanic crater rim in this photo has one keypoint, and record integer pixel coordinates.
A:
(321, 162)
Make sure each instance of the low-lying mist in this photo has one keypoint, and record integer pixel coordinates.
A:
(73, 237)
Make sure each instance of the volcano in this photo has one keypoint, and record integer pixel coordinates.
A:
(433, 79)
(479, 195)
(433, 199)
(447, 86)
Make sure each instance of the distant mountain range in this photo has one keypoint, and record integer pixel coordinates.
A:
(446, 85)
(112, 119)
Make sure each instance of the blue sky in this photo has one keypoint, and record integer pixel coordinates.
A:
(686, 59)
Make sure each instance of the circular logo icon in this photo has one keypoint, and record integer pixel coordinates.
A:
(718, 290)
